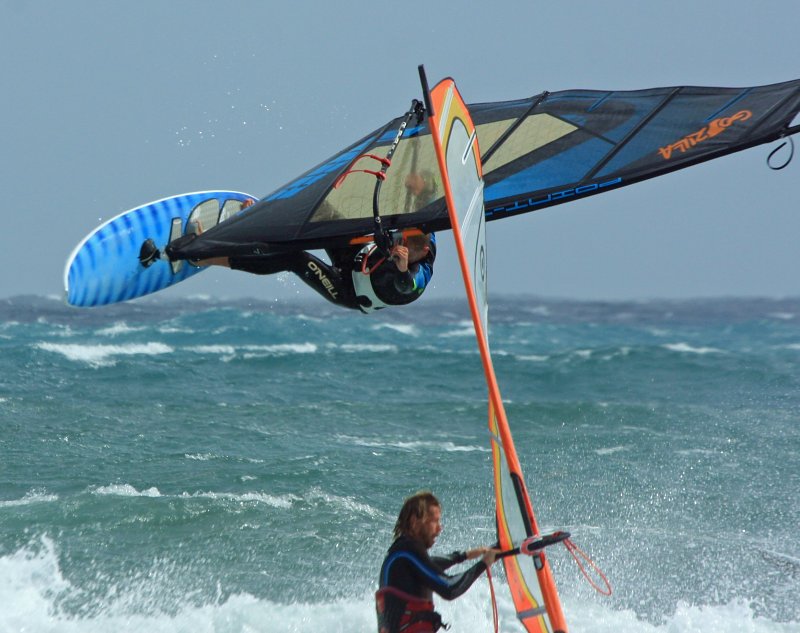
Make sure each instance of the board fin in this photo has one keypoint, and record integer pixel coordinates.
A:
(175, 231)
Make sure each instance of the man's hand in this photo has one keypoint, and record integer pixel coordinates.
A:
(400, 257)
(489, 554)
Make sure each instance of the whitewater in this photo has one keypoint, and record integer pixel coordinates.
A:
(202, 465)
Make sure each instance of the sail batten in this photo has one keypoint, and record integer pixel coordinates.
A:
(767, 115)
(608, 157)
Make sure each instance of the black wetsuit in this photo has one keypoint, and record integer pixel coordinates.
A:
(410, 569)
(335, 282)
(332, 282)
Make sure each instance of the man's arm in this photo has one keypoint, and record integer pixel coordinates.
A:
(443, 562)
(450, 587)
(426, 573)
(407, 280)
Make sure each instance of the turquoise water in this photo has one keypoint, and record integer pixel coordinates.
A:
(205, 466)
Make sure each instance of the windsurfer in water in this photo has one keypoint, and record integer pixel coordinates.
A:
(409, 576)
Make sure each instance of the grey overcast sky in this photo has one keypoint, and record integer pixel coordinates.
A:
(107, 105)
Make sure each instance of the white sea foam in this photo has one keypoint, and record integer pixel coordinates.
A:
(34, 591)
(125, 490)
(201, 457)
(275, 501)
(31, 497)
(376, 348)
(408, 329)
(466, 330)
(737, 615)
(281, 349)
(62, 331)
(346, 503)
(206, 457)
(533, 358)
(610, 450)
(445, 446)
(103, 355)
(307, 317)
(118, 328)
(538, 310)
(224, 350)
(685, 348)
(622, 351)
(172, 329)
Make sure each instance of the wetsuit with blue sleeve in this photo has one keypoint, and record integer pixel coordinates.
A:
(410, 572)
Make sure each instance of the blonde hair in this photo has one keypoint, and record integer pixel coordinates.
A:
(415, 507)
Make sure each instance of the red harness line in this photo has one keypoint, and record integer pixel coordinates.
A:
(576, 551)
(369, 271)
(495, 618)
(380, 175)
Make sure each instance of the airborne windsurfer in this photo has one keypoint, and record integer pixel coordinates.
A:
(409, 576)
(360, 278)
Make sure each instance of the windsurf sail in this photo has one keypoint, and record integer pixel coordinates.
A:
(537, 152)
(455, 140)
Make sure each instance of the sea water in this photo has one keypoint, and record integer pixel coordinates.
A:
(238, 466)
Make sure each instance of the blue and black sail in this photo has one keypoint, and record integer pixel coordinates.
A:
(537, 152)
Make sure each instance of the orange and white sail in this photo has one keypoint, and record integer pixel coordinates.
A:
(529, 577)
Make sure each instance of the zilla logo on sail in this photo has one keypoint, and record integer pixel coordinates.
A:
(717, 126)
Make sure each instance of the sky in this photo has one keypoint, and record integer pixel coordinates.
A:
(109, 105)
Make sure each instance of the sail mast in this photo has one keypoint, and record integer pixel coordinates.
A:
(530, 579)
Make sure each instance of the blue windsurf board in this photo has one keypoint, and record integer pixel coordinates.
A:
(109, 266)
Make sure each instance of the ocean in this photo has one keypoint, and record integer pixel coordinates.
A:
(237, 466)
